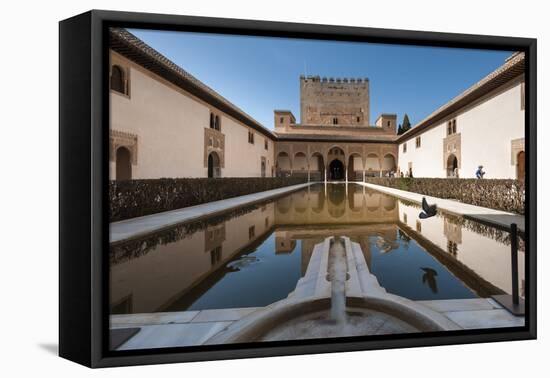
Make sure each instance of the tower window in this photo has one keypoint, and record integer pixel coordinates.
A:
(418, 142)
(250, 137)
(404, 147)
(281, 120)
(335, 121)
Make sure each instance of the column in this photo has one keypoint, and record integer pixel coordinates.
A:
(364, 175)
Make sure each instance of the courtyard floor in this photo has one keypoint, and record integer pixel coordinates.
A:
(134, 227)
(491, 217)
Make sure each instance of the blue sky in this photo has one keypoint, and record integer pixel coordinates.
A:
(260, 74)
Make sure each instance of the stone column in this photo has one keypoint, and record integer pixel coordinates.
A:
(364, 175)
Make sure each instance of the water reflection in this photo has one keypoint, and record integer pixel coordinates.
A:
(429, 277)
(255, 255)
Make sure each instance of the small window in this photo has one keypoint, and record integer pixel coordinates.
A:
(217, 124)
(335, 121)
(250, 137)
(266, 145)
(388, 123)
(418, 142)
(281, 120)
(404, 147)
(418, 226)
(118, 79)
(266, 222)
(451, 127)
(251, 232)
(358, 119)
(212, 121)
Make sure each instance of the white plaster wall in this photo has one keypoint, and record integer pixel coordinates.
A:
(170, 127)
(243, 159)
(427, 161)
(487, 128)
(487, 131)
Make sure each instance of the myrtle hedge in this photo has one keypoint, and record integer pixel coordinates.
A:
(135, 198)
(506, 195)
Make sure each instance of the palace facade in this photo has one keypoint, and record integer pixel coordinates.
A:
(166, 123)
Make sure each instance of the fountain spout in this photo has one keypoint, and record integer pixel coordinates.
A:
(337, 275)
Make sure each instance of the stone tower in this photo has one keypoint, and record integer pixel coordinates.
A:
(334, 102)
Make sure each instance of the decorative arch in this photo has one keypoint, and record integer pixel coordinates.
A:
(372, 164)
(452, 165)
(389, 163)
(300, 162)
(283, 164)
(355, 167)
(214, 169)
(520, 165)
(123, 163)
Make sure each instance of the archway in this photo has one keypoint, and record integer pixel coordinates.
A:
(283, 165)
(372, 165)
(520, 165)
(388, 164)
(123, 164)
(213, 165)
(452, 165)
(355, 167)
(317, 167)
(299, 165)
(336, 170)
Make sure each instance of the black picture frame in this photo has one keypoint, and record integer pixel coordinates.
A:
(84, 227)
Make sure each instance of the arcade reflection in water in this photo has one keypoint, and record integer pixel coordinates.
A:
(254, 256)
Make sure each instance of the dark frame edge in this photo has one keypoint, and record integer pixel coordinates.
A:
(75, 275)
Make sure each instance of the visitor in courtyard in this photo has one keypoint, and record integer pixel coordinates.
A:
(456, 172)
(480, 173)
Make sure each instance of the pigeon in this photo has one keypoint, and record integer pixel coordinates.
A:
(428, 210)
(430, 278)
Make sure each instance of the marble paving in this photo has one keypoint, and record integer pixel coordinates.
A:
(497, 218)
(134, 227)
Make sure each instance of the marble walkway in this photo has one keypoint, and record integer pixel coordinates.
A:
(491, 217)
(134, 227)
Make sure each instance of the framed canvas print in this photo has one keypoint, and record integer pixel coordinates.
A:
(233, 188)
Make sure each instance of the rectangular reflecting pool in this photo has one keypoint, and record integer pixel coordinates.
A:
(254, 256)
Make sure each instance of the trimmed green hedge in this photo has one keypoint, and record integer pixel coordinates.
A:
(506, 195)
(136, 198)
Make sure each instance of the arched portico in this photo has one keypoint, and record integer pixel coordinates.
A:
(356, 171)
(452, 166)
(388, 165)
(283, 165)
(214, 165)
(123, 164)
(372, 165)
(520, 165)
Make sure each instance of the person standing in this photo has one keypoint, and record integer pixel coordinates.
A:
(480, 173)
